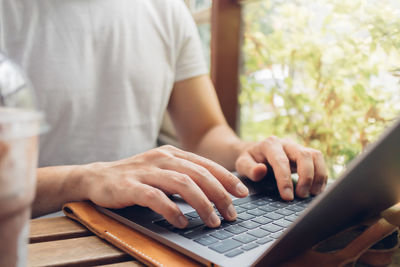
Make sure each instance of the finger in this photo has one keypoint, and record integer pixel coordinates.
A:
(272, 149)
(305, 170)
(320, 173)
(305, 166)
(148, 196)
(232, 184)
(247, 166)
(182, 184)
(212, 188)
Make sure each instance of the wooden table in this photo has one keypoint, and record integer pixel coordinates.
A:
(60, 241)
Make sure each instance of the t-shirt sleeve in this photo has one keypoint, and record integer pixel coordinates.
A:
(190, 61)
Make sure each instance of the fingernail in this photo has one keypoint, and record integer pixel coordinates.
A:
(303, 191)
(317, 189)
(231, 212)
(182, 221)
(288, 193)
(242, 189)
(214, 220)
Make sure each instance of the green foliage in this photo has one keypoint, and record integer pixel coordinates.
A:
(325, 73)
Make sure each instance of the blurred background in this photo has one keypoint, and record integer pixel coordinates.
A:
(325, 73)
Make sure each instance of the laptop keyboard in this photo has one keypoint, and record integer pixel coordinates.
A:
(261, 219)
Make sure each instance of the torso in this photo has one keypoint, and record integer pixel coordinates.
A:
(103, 71)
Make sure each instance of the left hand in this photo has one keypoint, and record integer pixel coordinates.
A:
(285, 157)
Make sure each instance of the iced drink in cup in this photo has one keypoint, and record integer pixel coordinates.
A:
(18, 160)
(20, 125)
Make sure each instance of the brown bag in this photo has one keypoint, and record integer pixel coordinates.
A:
(373, 243)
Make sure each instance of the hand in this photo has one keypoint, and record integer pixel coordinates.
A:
(146, 179)
(282, 154)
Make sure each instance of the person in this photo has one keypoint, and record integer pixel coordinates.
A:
(105, 72)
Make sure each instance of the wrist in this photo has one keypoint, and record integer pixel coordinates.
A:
(57, 185)
(78, 182)
(240, 147)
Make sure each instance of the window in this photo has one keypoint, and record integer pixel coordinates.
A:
(201, 11)
(325, 73)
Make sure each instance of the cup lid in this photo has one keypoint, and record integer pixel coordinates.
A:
(16, 93)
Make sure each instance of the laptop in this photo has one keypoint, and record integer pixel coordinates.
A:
(268, 230)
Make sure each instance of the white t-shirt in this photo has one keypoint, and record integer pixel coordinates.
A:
(103, 70)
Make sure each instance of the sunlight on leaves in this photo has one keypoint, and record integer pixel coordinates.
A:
(324, 73)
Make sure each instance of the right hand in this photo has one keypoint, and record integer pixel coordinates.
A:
(147, 178)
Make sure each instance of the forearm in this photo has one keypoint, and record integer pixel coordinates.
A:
(221, 145)
(200, 123)
(56, 186)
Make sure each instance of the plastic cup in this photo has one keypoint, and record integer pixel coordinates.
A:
(19, 130)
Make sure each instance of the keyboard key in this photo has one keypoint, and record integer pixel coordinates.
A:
(245, 238)
(258, 233)
(260, 202)
(299, 213)
(276, 235)
(295, 208)
(225, 223)
(304, 203)
(225, 246)
(271, 228)
(245, 216)
(240, 201)
(249, 206)
(291, 218)
(206, 240)
(163, 223)
(193, 223)
(221, 234)
(249, 224)
(267, 199)
(193, 214)
(196, 232)
(280, 205)
(234, 253)
(273, 216)
(267, 208)
(236, 229)
(239, 209)
(257, 212)
(285, 212)
(264, 240)
(307, 200)
(249, 246)
(262, 220)
(291, 203)
(282, 222)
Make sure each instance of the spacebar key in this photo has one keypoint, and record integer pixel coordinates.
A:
(225, 245)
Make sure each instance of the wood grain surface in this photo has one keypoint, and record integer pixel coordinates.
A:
(60, 241)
